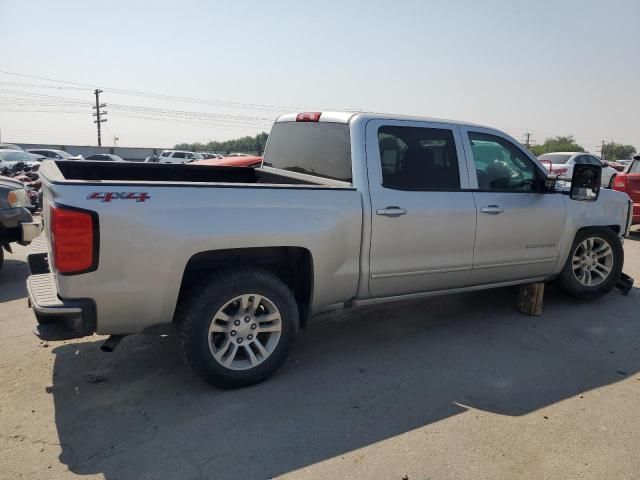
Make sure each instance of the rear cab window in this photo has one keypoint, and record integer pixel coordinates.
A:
(322, 149)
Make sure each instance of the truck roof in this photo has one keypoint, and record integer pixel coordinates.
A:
(347, 117)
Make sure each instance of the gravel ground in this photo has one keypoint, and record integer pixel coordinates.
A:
(446, 388)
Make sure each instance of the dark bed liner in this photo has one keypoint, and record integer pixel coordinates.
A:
(166, 172)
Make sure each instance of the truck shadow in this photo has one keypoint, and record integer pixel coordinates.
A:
(354, 379)
(13, 277)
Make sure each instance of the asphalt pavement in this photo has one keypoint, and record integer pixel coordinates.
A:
(454, 387)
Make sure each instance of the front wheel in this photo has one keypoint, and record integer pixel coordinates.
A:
(236, 328)
(594, 264)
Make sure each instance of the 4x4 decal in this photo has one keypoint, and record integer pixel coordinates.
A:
(108, 196)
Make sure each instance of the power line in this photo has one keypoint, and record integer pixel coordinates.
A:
(159, 95)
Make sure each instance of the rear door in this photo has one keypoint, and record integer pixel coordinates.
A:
(422, 221)
(519, 228)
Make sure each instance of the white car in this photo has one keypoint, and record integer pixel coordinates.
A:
(11, 146)
(561, 164)
(179, 156)
(105, 157)
(54, 154)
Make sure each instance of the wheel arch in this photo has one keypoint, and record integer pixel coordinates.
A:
(292, 265)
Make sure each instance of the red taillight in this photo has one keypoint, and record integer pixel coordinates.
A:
(620, 183)
(308, 117)
(560, 171)
(72, 240)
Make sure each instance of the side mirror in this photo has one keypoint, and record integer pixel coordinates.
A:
(585, 182)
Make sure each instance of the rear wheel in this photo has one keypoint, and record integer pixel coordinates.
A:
(236, 328)
(594, 264)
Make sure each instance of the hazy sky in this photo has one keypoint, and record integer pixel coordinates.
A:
(548, 67)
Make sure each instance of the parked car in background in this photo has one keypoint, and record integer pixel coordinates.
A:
(10, 146)
(209, 155)
(624, 162)
(243, 161)
(561, 164)
(617, 166)
(239, 155)
(179, 156)
(8, 158)
(629, 182)
(54, 154)
(16, 222)
(105, 157)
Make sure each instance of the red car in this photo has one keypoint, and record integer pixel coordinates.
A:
(629, 182)
(243, 161)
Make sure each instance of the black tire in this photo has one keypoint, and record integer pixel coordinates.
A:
(196, 312)
(568, 281)
(1, 256)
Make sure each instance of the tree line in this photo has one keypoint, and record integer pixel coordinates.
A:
(611, 151)
(242, 144)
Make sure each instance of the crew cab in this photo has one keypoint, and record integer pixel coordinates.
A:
(346, 210)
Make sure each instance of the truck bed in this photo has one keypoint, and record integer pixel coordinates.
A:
(154, 172)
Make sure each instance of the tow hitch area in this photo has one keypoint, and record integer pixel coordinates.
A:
(625, 284)
(111, 343)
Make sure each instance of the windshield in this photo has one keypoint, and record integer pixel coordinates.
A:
(16, 156)
(556, 158)
(314, 148)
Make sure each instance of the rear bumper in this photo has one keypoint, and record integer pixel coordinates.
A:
(58, 318)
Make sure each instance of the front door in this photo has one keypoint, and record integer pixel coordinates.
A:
(422, 223)
(519, 227)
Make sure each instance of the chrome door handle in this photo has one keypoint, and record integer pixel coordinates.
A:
(391, 211)
(492, 209)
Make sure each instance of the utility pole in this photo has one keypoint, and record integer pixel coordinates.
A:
(99, 113)
(527, 140)
(602, 151)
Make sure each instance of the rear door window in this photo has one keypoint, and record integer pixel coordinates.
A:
(417, 158)
(178, 155)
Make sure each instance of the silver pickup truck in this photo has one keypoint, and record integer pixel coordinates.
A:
(346, 210)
